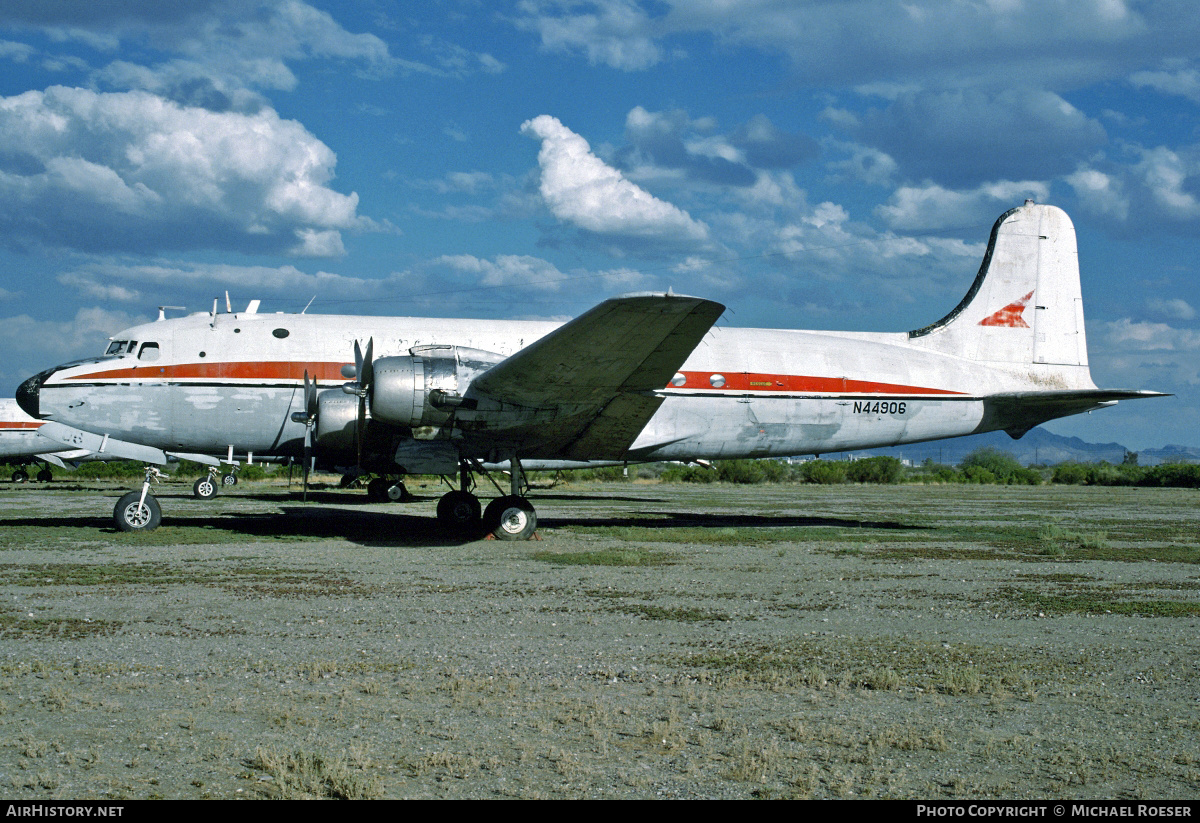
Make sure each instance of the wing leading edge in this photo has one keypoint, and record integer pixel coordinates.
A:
(593, 377)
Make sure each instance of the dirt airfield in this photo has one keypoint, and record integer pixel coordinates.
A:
(659, 641)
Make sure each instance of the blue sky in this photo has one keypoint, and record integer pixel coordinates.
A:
(831, 165)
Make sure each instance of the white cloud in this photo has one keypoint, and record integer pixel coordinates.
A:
(507, 269)
(31, 345)
(1166, 173)
(1174, 308)
(582, 189)
(134, 172)
(179, 281)
(1143, 336)
(1181, 82)
(614, 33)
(1099, 193)
(1143, 353)
(932, 207)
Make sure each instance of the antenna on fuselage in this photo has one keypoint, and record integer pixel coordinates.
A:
(310, 302)
(162, 311)
(228, 305)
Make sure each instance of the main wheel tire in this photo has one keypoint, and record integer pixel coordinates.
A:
(510, 518)
(204, 488)
(377, 490)
(131, 517)
(20, 476)
(45, 476)
(396, 492)
(459, 511)
(229, 480)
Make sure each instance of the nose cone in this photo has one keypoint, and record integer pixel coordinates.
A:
(29, 393)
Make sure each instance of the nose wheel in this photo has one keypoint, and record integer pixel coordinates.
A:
(139, 511)
(135, 513)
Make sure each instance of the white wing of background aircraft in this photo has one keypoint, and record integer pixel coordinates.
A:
(637, 378)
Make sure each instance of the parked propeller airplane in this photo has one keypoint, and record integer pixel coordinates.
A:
(642, 377)
(22, 445)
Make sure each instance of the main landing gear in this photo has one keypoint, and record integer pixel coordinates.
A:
(385, 490)
(206, 487)
(22, 476)
(508, 517)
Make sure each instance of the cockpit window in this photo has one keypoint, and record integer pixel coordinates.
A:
(116, 347)
(148, 352)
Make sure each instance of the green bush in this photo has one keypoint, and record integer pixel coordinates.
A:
(995, 466)
(825, 472)
(875, 470)
(1071, 474)
(689, 474)
(1179, 475)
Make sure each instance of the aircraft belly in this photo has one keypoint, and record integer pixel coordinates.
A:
(730, 427)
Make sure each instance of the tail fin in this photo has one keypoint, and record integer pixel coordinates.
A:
(1025, 306)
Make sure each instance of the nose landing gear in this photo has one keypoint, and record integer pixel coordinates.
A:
(139, 511)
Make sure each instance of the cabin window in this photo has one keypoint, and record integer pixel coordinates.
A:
(678, 380)
(717, 381)
(281, 333)
(149, 352)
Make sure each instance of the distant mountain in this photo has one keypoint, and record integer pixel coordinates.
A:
(1038, 446)
(1169, 454)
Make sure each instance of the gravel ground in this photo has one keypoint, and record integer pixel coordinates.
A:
(658, 641)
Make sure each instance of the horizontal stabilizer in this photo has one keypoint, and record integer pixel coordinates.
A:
(1018, 412)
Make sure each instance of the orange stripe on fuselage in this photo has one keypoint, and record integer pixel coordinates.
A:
(21, 425)
(232, 370)
(286, 371)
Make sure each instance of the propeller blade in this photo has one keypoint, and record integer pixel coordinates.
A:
(310, 420)
(366, 371)
(310, 396)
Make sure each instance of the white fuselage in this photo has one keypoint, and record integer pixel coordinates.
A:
(205, 383)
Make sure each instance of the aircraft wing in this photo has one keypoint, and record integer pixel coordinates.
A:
(1018, 412)
(594, 377)
(103, 447)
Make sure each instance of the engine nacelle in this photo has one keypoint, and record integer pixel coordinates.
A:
(337, 423)
(425, 388)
